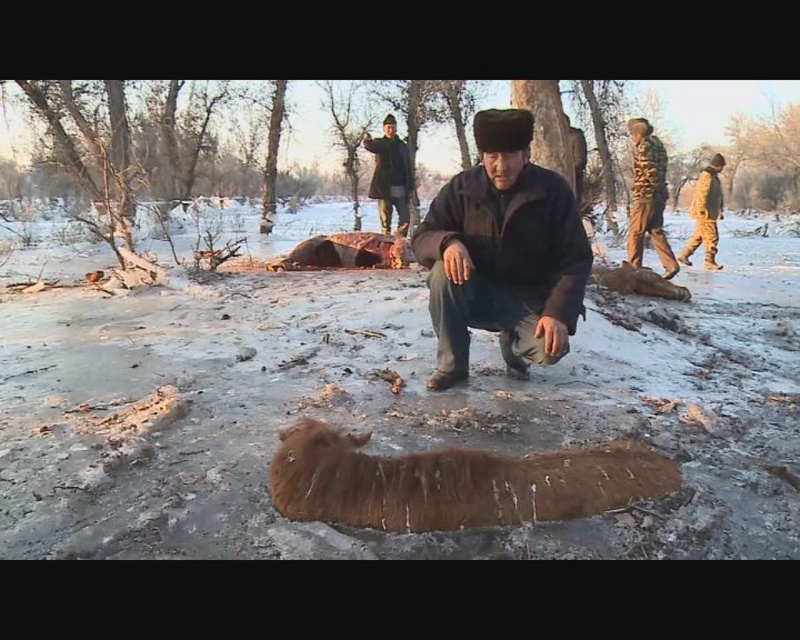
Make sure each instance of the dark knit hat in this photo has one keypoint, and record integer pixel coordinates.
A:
(390, 119)
(718, 160)
(503, 130)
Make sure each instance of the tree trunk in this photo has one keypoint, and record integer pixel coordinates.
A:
(730, 174)
(273, 144)
(120, 158)
(414, 122)
(606, 160)
(244, 183)
(453, 95)
(550, 147)
(69, 157)
(188, 177)
(66, 151)
(169, 139)
(351, 169)
(116, 202)
(676, 192)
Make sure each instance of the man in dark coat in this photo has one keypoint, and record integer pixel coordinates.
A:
(507, 252)
(392, 182)
(580, 156)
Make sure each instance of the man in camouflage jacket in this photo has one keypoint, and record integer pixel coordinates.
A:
(661, 159)
(649, 198)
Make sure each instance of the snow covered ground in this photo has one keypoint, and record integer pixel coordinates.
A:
(713, 383)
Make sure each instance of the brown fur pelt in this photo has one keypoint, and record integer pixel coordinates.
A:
(353, 250)
(628, 279)
(318, 473)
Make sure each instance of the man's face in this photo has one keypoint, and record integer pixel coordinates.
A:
(503, 168)
(390, 130)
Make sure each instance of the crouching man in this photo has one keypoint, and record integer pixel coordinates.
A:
(507, 252)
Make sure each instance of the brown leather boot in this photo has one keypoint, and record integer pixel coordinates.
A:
(669, 274)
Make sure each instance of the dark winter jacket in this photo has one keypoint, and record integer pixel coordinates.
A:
(541, 250)
(385, 166)
(580, 153)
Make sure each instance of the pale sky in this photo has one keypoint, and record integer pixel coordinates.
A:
(693, 112)
(697, 111)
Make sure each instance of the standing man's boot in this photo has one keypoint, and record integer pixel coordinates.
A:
(441, 380)
(683, 258)
(669, 274)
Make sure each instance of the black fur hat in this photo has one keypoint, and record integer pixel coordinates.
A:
(390, 119)
(718, 161)
(502, 130)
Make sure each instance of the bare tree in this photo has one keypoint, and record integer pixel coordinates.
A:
(604, 99)
(96, 116)
(461, 99)
(183, 134)
(738, 153)
(277, 114)
(772, 189)
(770, 157)
(123, 171)
(348, 134)
(246, 128)
(188, 135)
(169, 139)
(785, 128)
(10, 180)
(206, 96)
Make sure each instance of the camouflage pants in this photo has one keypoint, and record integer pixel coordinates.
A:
(647, 216)
(705, 231)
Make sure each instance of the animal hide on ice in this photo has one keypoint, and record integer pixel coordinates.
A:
(628, 279)
(319, 473)
(349, 251)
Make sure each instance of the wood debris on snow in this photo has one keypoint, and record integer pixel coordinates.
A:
(127, 432)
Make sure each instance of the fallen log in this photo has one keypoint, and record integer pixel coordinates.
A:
(138, 261)
(33, 287)
(127, 432)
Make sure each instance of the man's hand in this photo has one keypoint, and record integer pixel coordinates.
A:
(457, 263)
(556, 336)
